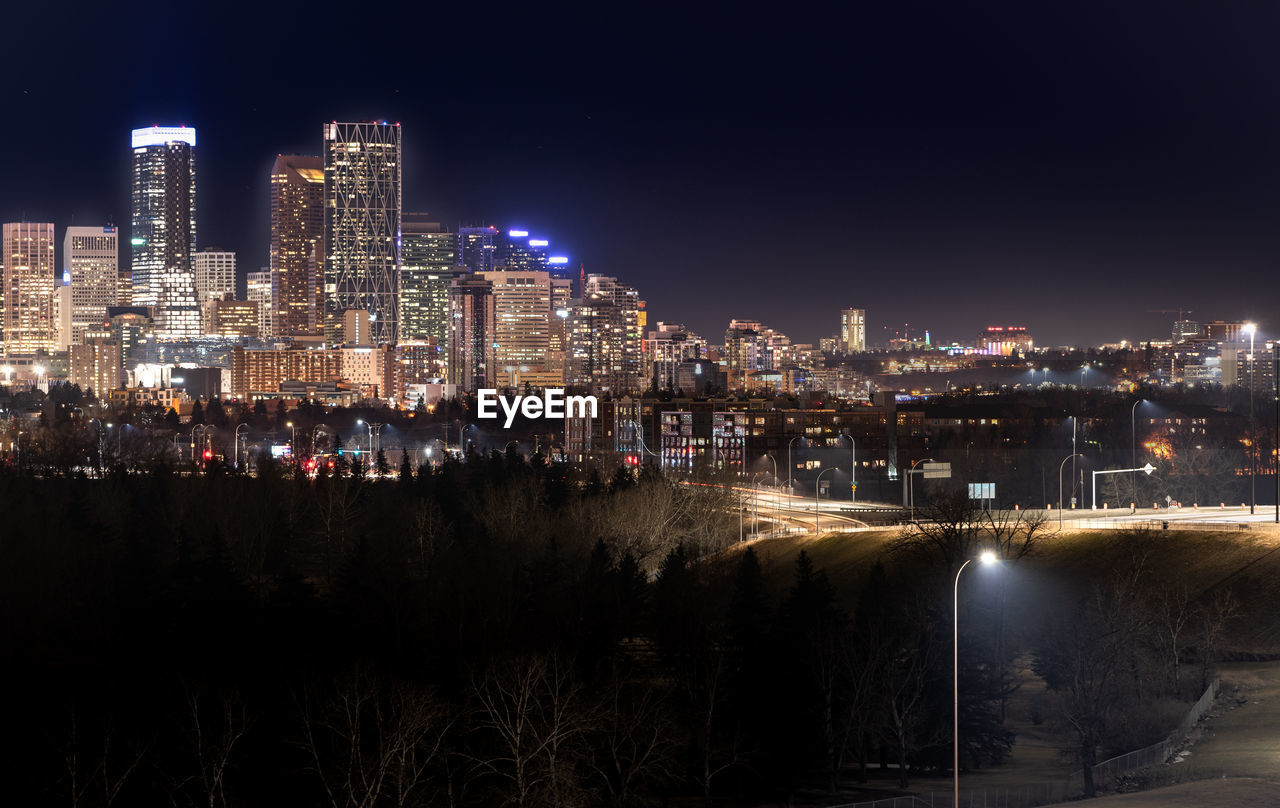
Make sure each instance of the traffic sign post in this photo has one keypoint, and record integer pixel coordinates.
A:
(1093, 503)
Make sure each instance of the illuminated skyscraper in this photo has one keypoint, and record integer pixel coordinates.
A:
(604, 337)
(853, 330)
(90, 266)
(521, 322)
(258, 290)
(215, 275)
(362, 171)
(478, 248)
(27, 256)
(428, 257)
(471, 333)
(297, 252)
(164, 228)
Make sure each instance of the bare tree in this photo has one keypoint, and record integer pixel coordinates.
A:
(214, 726)
(1212, 619)
(534, 710)
(98, 768)
(634, 743)
(373, 741)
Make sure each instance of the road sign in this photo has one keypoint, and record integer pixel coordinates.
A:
(982, 490)
(937, 471)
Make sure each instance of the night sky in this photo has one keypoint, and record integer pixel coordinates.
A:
(1062, 166)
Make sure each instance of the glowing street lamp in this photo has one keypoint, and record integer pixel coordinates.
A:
(987, 558)
(1252, 329)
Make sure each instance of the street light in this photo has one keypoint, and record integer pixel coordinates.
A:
(911, 482)
(1252, 329)
(776, 502)
(987, 558)
(790, 466)
(816, 514)
(1060, 465)
(853, 469)
(1133, 426)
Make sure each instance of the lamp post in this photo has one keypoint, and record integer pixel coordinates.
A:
(1060, 465)
(790, 466)
(911, 484)
(293, 440)
(853, 469)
(776, 520)
(1275, 435)
(237, 449)
(1251, 329)
(987, 558)
(1133, 426)
(817, 516)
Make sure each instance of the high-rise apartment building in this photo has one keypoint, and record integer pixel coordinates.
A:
(362, 170)
(604, 337)
(215, 274)
(96, 363)
(428, 261)
(164, 228)
(27, 258)
(853, 330)
(258, 290)
(297, 246)
(471, 364)
(90, 266)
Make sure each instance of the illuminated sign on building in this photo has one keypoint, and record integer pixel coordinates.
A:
(160, 135)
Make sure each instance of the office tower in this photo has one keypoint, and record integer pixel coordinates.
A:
(229, 318)
(604, 336)
(521, 322)
(558, 341)
(428, 257)
(519, 251)
(133, 330)
(297, 238)
(62, 312)
(164, 228)
(471, 333)
(90, 266)
(29, 324)
(258, 289)
(362, 226)
(215, 272)
(853, 330)
(478, 248)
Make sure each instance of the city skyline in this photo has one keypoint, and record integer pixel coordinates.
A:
(1066, 152)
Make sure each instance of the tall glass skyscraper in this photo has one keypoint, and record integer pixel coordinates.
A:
(362, 173)
(428, 257)
(297, 230)
(89, 264)
(164, 228)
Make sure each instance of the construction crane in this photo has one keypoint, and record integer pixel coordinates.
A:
(1179, 312)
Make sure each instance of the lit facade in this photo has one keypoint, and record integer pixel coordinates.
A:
(478, 248)
(259, 372)
(604, 337)
(853, 330)
(1004, 340)
(297, 246)
(521, 324)
(362, 172)
(90, 265)
(258, 290)
(428, 257)
(29, 322)
(163, 237)
(229, 318)
(97, 364)
(215, 274)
